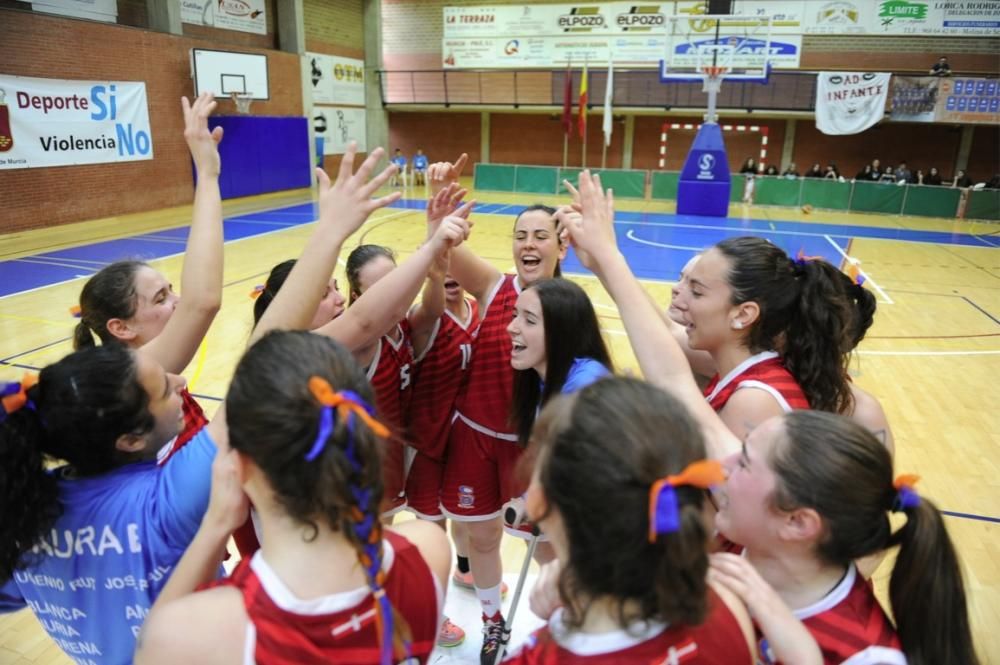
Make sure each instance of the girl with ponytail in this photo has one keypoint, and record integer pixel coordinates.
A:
(132, 304)
(90, 526)
(775, 327)
(807, 494)
(310, 462)
(619, 486)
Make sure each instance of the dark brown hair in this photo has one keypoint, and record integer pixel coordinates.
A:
(598, 453)
(803, 311)
(839, 469)
(109, 294)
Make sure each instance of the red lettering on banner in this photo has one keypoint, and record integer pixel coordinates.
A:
(47, 103)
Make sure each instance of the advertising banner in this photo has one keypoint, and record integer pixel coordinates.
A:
(936, 17)
(95, 10)
(339, 125)
(965, 100)
(849, 102)
(914, 98)
(336, 80)
(50, 122)
(242, 15)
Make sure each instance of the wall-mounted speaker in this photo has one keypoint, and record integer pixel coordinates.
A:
(720, 6)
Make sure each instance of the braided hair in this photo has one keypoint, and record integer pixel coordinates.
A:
(319, 448)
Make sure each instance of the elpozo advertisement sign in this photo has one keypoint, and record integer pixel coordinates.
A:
(50, 122)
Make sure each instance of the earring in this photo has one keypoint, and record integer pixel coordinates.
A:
(737, 325)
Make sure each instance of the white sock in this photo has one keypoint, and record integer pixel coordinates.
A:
(489, 599)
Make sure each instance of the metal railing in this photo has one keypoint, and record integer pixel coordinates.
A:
(786, 91)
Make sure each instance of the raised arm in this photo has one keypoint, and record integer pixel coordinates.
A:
(388, 300)
(473, 273)
(661, 359)
(425, 314)
(343, 208)
(201, 274)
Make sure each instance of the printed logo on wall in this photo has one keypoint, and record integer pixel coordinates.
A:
(242, 15)
(6, 133)
(838, 14)
(582, 19)
(335, 80)
(641, 18)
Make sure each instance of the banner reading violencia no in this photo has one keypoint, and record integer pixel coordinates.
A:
(50, 122)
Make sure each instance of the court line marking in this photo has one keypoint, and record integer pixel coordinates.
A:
(170, 256)
(630, 234)
(886, 299)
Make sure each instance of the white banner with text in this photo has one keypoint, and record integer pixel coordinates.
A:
(51, 122)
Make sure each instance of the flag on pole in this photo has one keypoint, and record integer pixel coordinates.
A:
(581, 121)
(609, 93)
(567, 116)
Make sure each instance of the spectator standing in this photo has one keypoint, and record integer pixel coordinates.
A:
(941, 67)
(791, 173)
(961, 180)
(933, 177)
(814, 172)
(903, 173)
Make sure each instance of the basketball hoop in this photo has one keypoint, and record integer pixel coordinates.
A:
(242, 101)
(713, 78)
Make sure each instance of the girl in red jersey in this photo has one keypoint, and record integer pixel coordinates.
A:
(619, 486)
(130, 303)
(305, 450)
(810, 492)
(483, 445)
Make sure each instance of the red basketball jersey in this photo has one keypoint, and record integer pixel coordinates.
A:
(763, 371)
(489, 387)
(389, 373)
(338, 628)
(717, 641)
(850, 627)
(194, 420)
(439, 375)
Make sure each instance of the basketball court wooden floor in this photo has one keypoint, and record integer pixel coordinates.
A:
(932, 356)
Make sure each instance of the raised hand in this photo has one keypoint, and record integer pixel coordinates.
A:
(451, 232)
(347, 202)
(591, 232)
(446, 202)
(203, 144)
(442, 174)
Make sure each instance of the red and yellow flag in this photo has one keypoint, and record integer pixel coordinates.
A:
(581, 121)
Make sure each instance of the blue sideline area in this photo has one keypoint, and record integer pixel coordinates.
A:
(657, 245)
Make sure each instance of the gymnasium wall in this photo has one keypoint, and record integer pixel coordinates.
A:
(334, 27)
(44, 46)
(921, 146)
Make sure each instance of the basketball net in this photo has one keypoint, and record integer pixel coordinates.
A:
(242, 101)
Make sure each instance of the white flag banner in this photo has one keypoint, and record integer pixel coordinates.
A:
(609, 93)
(849, 102)
(339, 125)
(50, 122)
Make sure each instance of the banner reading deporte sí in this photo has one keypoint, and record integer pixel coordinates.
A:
(51, 122)
(849, 102)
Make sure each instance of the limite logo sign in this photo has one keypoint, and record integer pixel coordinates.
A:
(902, 10)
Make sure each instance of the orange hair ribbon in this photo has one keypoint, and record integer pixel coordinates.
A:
(664, 513)
(14, 395)
(257, 290)
(346, 402)
(906, 495)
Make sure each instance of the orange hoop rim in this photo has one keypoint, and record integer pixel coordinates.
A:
(714, 72)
